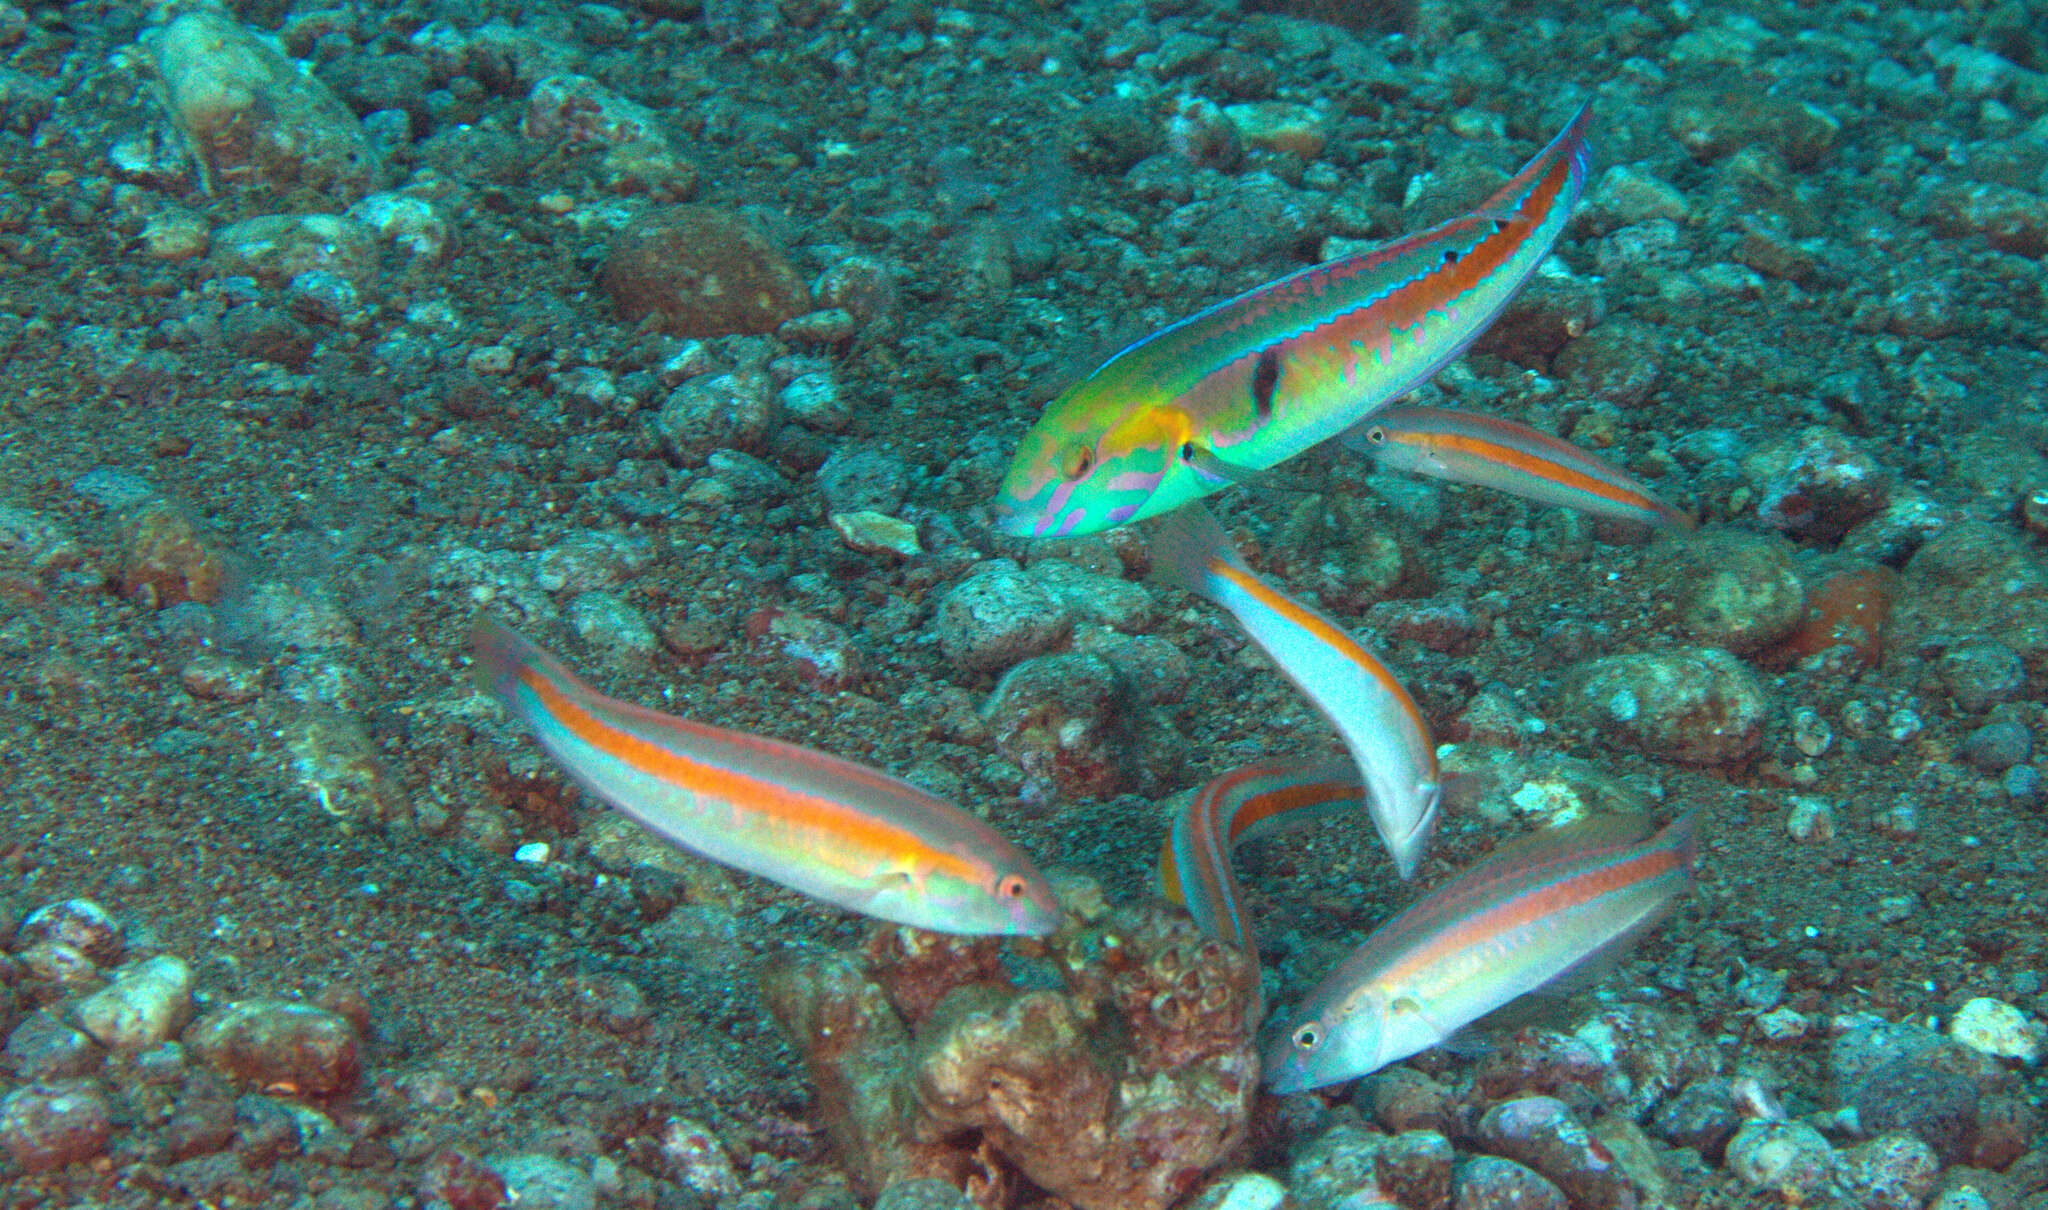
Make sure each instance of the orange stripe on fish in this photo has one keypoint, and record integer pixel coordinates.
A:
(827, 827)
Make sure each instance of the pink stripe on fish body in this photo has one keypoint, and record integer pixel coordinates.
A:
(1533, 912)
(1264, 376)
(1490, 452)
(1372, 712)
(827, 827)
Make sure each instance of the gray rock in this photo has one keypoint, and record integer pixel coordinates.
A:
(863, 476)
(1066, 720)
(997, 617)
(542, 1182)
(147, 1004)
(1733, 590)
(1702, 1116)
(275, 1043)
(1542, 1133)
(1938, 1107)
(1995, 747)
(717, 411)
(1979, 673)
(1817, 484)
(45, 1048)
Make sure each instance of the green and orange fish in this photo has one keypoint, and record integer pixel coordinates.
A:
(1237, 389)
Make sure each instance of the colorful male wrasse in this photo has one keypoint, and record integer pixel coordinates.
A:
(1489, 452)
(1247, 803)
(1249, 383)
(827, 827)
(1536, 910)
(1377, 719)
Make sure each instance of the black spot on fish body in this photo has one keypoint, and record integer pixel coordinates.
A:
(1265, 378)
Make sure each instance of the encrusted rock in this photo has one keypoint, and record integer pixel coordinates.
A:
(1787, 1159)
(1488, 1180)
(278, 248)
(1068, 722)
(277, 1044)
(1697, 705)
(1542, 1133)
(252, 118)
(1733, 590)
(1816, 484)
(171, 559)
(1896, 1172)
(736, 410)
(1996, 1028)
(704, 271)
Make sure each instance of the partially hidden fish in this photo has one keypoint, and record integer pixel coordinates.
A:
(1377, 719)
(1232, 391)
(1486, 451)
(1534, 912)
(1252, 801)
(830, 828)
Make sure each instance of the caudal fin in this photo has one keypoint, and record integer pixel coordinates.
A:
(1184, 544)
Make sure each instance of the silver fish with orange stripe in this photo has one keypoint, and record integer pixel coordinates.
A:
(1486, 451)
(827, 827)
(1374, 714)
(1534, 912)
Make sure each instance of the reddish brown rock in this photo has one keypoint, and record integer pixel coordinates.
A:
(704, 271)
(170, 559)
(290, 1047)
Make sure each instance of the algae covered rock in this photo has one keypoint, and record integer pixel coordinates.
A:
(252, 119)
(1119, 1090)
(704, 271)
(1697, 705)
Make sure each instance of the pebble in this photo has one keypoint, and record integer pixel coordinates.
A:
(1939, 1107)
(1543, 1133)
(1980, 673)
(608, 623)
(49, 1124)
(997, 617)
(76, 924)
(1701, 1116)
(873, 533)
(1896, 1172)
(1696, 705)
(1488, 1182)
(460, 1181)
(1811, 820)
(542, 1182)
(1996, 1028)
(1238, 1191)
(1338, 1164)
(1995, 747)
(276, 249)
(168, 558)
(147, 1004)
(697, 1160)
(1091, 596)
(1789, 1160)
(274, 1043)
(42, 1047)
(737, 410)
(704, 271)
(863, 476)
(1973, 578)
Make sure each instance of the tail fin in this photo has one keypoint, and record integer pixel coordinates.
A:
(1184, 543)
(503, 656)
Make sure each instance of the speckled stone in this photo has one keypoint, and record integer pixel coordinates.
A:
(997, 617)
(1619, 361)
(1713, 124)
(1542, 1133)
(1238, 1191)
(42, 1047)
(1696, 705)
(1939, 1107)
(1702, 1116)
(275, 249)
(273, 1043)
(737, 410)
(1895, 1172)
(704, 271)
(1488, 1182)
(930, 1194)
(1091, 596)
(1786, 1158)
(1993, 1027)
(1976, 579)
(1817, 484)
(48, 1125)
(1997, 746)
(1980, 673)
(1731, 589)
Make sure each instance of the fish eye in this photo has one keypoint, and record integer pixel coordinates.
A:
(1077, 461)
(1376, 435)
(1308, 1037)
(1187, 451)
(1011, 887)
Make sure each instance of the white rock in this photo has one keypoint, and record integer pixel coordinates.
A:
(1994, 1027)
(147, 1004)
